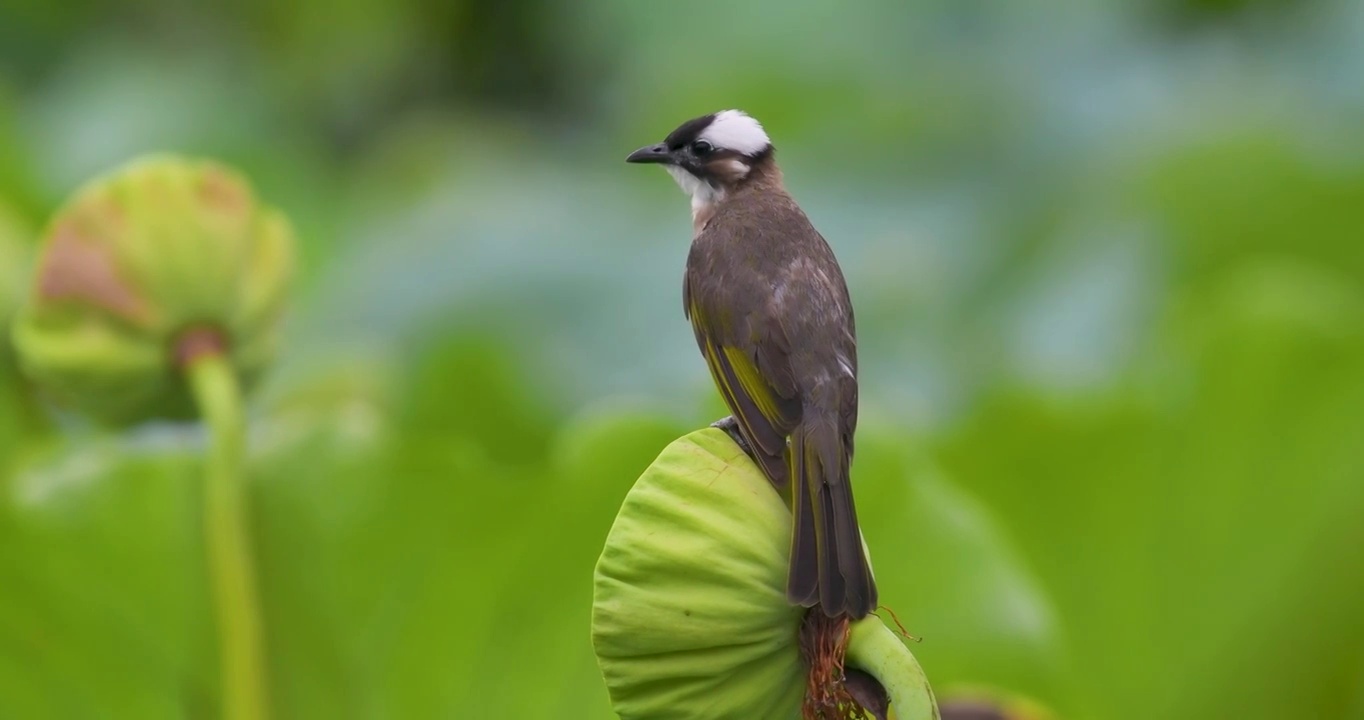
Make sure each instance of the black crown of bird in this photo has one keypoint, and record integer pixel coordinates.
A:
(772, 317)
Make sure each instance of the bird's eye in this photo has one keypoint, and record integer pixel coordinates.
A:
(701, 148)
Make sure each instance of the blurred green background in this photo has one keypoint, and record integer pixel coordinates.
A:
(1108, 263)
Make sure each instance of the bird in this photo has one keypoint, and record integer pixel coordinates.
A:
(773, 318)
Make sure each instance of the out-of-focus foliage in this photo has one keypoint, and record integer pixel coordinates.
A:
(1108, 261)
(15, 260)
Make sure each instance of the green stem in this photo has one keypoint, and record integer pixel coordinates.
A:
(240, 638)
(873, 648)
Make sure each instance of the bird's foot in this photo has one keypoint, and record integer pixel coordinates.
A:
(731, 428)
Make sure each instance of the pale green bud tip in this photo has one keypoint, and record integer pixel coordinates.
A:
(690, 617)
(135, 261)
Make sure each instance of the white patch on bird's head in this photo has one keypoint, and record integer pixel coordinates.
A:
(736, 130)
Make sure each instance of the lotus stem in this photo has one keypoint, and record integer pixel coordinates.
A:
(875, 649)
(241, 641)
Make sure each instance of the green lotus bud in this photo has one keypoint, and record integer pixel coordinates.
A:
(136, 261)
(690, 617)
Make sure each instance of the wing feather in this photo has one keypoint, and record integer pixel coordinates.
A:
(765, 414)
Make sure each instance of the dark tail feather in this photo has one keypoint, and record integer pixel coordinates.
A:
(802, 581)
(828, 565)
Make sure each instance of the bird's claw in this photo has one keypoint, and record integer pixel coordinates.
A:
(731, 428)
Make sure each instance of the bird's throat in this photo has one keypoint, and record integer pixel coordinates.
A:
(701, 213)
(704, 196)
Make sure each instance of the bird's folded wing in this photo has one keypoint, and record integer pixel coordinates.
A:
(763, 399)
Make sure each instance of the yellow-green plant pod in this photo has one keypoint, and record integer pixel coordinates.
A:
(132, 261)
(690, 617)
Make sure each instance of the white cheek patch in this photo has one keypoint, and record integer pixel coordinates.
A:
(735, 130)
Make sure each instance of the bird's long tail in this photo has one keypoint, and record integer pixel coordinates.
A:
(828, 565)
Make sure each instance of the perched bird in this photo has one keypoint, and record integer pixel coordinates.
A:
(772, 316)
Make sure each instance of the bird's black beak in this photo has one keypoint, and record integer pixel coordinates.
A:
(651, 154)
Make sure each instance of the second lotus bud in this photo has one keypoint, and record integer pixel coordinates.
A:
(160, 248)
